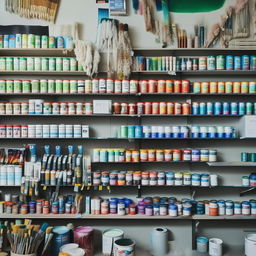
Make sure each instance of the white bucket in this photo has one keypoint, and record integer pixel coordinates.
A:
(215, 247)
(108, 238)
(14, 254)
(75, 252)
(250, 245)
(124, 247)
(68, 247)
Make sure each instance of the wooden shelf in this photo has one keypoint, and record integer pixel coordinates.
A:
(49, 52)
(235, 164)
(128, 94)
(44, 73)
(124, 217)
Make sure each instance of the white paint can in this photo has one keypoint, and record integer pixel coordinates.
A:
(250, 245)
(108, 238)
(215, 247)
(124, 247)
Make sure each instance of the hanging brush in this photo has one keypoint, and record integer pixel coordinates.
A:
(159, 5)
(135, 5)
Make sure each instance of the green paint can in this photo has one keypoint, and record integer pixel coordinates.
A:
(35, 86)
(26, 87)
(17, 86)
(244, 157)
(59, 64)
(9, 63)
(52, 64)
(2, 86)
(43, 86)
(37, 42)
(124, 131)
(45, 64)
(131, 131)
(59, 86)
(253, 157)
(51, 86)
(66, 86)
(9, 86)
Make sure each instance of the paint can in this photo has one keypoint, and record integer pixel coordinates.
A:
(201, 244)
(215, 247)
(83, 236)
(159, 241)
(108, 238)
(15, 254)
(250, 244)
(123, 247)
(61, 236)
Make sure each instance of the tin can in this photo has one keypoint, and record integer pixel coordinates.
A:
(9, 63)
(197, 87)
(73, 64)
(213, 208)
(185, 86)
(66, 64)
(217, 108)
(177, 86)
(2, 64)
(10, 86)
(245, 62)
(226, 108)
(211, 63)
(253, 62)
(38, 63)
(229, 62)
(117, 86)
(195, 155)
(204, 87)
(134, 86)
(44, 41)
(221, 87)
(236, 87)
(170, 108)
(58, 64)
(202, 108)
(37, 42)
(45, 64)
(169, 86)
(23, 63)
(252, 87)
(202, 63)
(177, 108)
(52, 64)
(229, 207)
(244, 87)
(220, 62)
(237, 63)
(2, 86)
(228, 87)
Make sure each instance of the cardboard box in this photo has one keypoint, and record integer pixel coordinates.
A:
(248, 126)
(102, 107)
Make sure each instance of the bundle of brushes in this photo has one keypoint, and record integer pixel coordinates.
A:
(26, 238)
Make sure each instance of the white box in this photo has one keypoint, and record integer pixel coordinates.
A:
(102, 106)
(85, 131)
(248, 126)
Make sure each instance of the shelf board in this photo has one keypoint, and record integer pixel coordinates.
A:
(198, 72)
(128, 94)
(196, 49)
(151, 162)
(124, 217)
(125, 115)
(124, 139)
(234, 164)
(224, 217)
(49, 52)
(44, 73)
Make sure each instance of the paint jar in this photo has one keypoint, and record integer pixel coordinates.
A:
(229, 207)
(202, 244)
(213, 208)
(124, 245)
(215, 247)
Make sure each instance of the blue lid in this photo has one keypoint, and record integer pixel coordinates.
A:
(202, 239)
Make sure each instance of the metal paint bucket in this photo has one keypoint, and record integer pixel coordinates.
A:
(109, 236)
(124, 247)
(61, 236)
(250, 245)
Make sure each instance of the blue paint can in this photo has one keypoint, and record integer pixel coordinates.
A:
(138, 131)
(61, 236)
(241, 108)
(202, 108)
(217, 108)
(237, 62)
(225, 108)
(195, 108)
(146, 131)
(245, 62)
(229, 62)
(131, 131)
(209, 108)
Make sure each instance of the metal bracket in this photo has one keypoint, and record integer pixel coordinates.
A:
(139, 191)
(247, 191)
(193, 194)
(172, 73)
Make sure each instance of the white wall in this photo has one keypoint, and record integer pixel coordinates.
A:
(85, 13)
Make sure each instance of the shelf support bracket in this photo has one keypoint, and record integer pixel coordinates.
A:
(139, 191)
(242, 193)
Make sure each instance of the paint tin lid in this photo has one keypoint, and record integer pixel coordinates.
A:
(113, 232)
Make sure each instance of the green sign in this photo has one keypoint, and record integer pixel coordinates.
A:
(190, 6)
